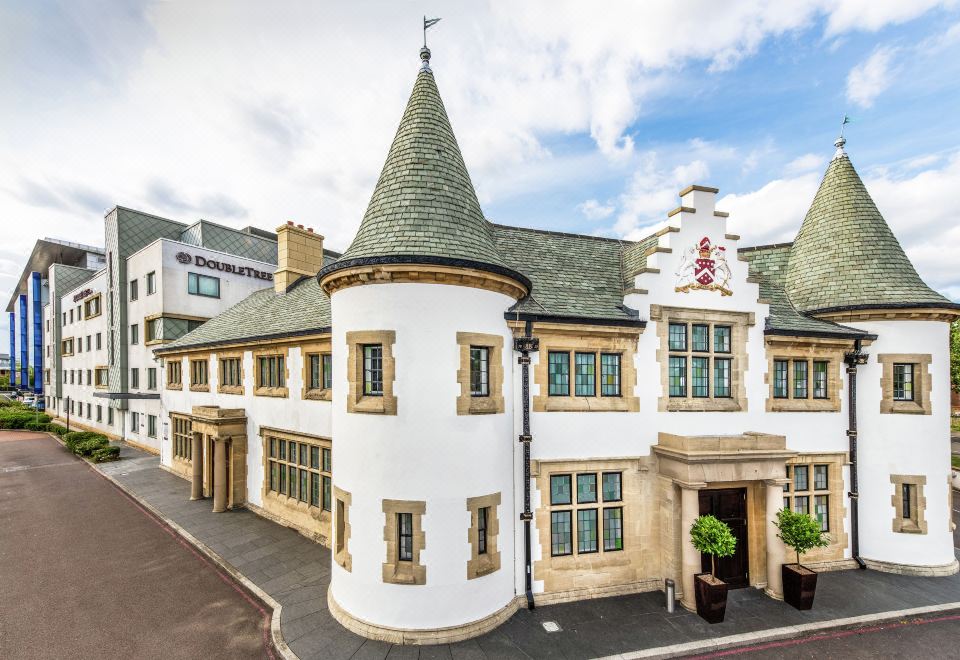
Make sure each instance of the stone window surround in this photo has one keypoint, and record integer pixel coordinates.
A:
(357, 402)
(586, 339)
(306, 350)
(394, 570)
(63, 351)
(229, 389)
(610, 572)
(341, 547)
(739, 323)
(304, 515)
(199, 387)
(812, 350)
(837, 509)
(170, 384)
(174, 417)
(915, 523)
(86, 306)
(493, 402)
(922, 384)
(275, 351)
(96, 371)
(479, 565)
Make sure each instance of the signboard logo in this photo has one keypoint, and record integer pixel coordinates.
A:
(183, 257)
(83, 294)
(704, 267)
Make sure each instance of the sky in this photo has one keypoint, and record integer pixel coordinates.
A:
(572, 116)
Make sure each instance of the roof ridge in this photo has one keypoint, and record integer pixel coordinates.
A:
(768, 246)
(550, 232)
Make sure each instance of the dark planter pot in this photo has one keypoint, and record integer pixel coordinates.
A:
(711, 598)
(799, 585)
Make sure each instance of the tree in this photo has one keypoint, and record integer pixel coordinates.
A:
(800, 531)
(713, 537)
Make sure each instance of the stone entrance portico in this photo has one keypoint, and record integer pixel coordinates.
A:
(754, 461)
(219, 456)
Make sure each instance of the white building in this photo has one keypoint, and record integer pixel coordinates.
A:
(477, 417)
(162, 279)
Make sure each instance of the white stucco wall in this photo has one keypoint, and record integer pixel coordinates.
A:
(905, 444)
(292, 413)
(426, 452)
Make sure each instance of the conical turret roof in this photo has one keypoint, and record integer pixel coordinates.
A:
(424, 208)
(845, 255)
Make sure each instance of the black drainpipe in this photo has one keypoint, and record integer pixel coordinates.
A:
(853, 360)
(525, 345)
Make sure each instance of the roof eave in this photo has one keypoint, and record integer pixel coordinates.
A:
(165, 350)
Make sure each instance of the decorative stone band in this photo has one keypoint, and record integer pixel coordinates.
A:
(945, 311)
(447, 635)
(939, 570)
(430, 270)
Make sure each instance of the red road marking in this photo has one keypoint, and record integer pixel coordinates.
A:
(816, 638)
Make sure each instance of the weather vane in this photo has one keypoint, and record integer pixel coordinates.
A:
(428, 23)
(425, 52)
(840, 141)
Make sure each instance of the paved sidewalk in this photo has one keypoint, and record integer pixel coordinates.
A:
(295, 572)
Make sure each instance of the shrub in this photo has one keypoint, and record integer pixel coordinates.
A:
(87, 447)
(15, 418)
(109, 453)
(36, 426)
(56, 428)
(713, 537)
(73, 438)
(800, 531)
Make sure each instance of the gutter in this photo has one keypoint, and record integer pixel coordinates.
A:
(525, 345)
(853, 360)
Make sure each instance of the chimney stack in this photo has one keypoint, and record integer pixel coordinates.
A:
(299, 254)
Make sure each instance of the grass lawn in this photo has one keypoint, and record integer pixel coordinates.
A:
(955, 424)
(955, 460)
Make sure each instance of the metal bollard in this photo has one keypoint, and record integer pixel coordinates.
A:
(670, 588)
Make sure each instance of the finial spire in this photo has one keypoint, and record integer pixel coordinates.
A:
(840, 141)
(425, 52)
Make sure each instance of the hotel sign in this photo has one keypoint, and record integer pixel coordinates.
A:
(222, 266)
(83, 294)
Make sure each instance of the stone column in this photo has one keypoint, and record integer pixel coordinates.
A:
(776, 551)
(689, 556)
(196, 455)
(219, 475)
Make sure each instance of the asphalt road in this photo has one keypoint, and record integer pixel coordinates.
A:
(933, 636)
(85, 572)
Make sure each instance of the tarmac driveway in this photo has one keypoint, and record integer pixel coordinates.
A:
(85, 572)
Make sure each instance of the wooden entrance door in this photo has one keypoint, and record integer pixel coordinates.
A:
(730, 506)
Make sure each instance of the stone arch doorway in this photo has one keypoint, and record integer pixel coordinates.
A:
(219, 456)
(753, 464)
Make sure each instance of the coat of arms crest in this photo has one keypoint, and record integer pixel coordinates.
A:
(704, 267)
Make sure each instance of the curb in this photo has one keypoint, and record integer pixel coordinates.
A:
(777, 634)
(276, 634)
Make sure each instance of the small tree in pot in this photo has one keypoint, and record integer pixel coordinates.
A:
(712, 537)
(802, 533)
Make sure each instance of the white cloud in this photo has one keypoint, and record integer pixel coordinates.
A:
(594, 210)
(912, 204)
(870, 78)
(805, 163)
(871, 15)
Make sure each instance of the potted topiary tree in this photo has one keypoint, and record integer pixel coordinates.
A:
(712, 537)
(802, 533)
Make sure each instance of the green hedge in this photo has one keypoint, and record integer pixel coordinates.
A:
(109, 453)
(74, 438)
(17, 418)
(57, 429)
(87, 447)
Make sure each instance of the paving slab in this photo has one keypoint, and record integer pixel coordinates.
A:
(295, 571)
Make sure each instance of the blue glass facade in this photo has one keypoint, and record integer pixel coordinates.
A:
(37, 313)
(24, 358)
(13, 350)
